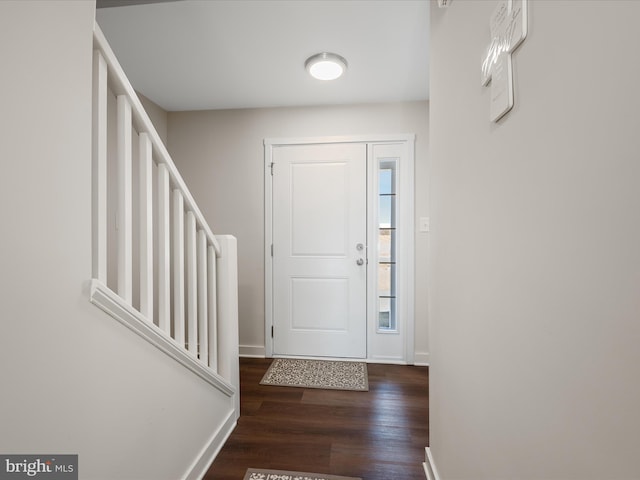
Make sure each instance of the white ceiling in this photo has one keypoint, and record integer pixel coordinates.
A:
(221, 54)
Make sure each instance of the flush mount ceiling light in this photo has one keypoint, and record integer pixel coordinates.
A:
(325, 66)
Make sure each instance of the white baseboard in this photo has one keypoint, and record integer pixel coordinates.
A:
(252, 351)
(386, 360)
(421, 359)
(429, 466)
(210, 451)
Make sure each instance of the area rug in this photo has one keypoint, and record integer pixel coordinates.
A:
(327, 374)
(262, 474)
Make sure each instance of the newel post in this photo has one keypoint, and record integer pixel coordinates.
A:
(227, 285)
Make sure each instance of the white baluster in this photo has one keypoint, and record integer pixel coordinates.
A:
(99, 170)
(213, 308)
(192, 285)
(146, 227)
(125, 226)
(178, 267)
(203, 319)
(164, 252)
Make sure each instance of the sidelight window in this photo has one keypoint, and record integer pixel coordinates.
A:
(387, 182)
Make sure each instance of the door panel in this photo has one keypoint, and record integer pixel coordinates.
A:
(319, 195)
(319, 218)
(306, 293)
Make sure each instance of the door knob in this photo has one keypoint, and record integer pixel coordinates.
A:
(360, 261)
(359, 247)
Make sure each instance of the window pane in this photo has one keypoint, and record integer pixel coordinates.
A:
(386, 277)
(386, 211)
(386, 244)
(386, 181)
(387, 314)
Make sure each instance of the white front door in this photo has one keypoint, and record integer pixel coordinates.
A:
(319, 250)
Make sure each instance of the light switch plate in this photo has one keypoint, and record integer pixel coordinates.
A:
(424, 224)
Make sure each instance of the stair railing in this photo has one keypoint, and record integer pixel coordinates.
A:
(157, 266)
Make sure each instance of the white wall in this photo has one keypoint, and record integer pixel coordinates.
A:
(221, 156)
(535, 267)
(73, 379)
(157, 115)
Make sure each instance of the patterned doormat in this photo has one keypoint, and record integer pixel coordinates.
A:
(327, 374)
(262, 474)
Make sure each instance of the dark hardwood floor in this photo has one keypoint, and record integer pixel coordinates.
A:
(375, 435)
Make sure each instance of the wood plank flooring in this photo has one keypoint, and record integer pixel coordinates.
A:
(375, 435)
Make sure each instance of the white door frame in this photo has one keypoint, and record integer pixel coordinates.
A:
(407, 220)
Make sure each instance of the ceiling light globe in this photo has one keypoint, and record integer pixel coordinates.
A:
(326, 66)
